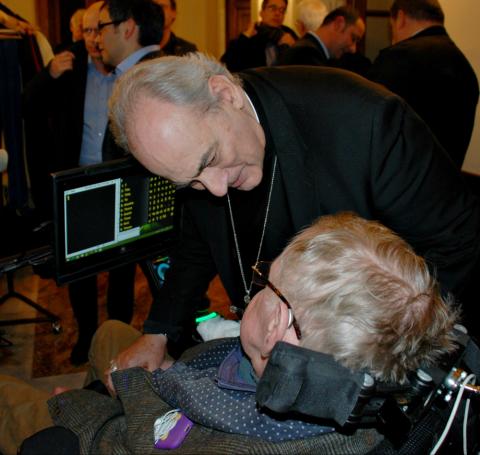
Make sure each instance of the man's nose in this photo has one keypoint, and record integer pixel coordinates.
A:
(352, 48)
(214, 180)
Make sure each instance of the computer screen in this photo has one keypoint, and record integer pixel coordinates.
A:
(108, 215)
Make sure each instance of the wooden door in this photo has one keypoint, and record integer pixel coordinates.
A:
(238, 16)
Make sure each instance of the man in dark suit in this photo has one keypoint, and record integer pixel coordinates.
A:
(75, 90)
(172, 44)
(291, 145)
(426, 68)
(339, 34)
(262, 43)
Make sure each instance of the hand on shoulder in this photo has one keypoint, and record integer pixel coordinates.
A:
(147, 352)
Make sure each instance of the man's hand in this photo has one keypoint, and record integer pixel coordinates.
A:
(147, 352)
(287, 39)
(60, 63)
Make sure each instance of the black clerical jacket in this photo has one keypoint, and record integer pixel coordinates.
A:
(343, 144)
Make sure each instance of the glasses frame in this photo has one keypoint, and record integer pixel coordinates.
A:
(102, 25)
(266, 282)
(275, 8)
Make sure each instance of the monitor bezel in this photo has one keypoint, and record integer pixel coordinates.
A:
(136, 251)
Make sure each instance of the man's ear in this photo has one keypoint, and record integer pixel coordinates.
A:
(275, 329)
(130, 28)
(223, 88)
(340, 23)
(401, 19)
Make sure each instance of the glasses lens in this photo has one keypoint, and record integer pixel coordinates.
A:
(275, 8)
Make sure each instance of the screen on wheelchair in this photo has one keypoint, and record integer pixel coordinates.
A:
(110, 214)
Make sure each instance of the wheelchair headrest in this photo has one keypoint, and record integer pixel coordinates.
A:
(311, 383)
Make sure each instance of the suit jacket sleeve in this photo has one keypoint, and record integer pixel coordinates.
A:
(186, 283)
(420, 195)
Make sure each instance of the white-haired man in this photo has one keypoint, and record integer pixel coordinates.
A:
(310, 15)
(344, 286)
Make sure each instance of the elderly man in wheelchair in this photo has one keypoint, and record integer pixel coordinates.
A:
(349, 348)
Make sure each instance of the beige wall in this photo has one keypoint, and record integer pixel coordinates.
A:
(203, 23)
(462, 19)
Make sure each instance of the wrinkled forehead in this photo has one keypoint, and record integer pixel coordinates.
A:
(166, 138)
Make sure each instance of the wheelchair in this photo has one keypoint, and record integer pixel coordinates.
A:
(426, 415)
(437, 411)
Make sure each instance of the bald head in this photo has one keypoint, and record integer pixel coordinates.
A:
(92, 12)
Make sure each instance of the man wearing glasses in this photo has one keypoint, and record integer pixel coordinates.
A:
(75, 90)
(262, 43)
(346, 287)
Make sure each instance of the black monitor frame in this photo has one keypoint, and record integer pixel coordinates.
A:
(149, 244)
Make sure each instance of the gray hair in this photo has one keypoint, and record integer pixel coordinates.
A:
(361, 294)
(182, 81)
(311, 14)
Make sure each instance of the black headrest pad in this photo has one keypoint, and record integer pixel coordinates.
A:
(309, 382)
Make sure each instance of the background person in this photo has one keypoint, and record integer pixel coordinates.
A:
(310, 15)
(74, 90)
(172, 44)
(76, 25)
(262, 43)
(337, 35)
(427, 69)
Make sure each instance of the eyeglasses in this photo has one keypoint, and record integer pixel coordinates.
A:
(260, 277)
(275, 8)
(102, 25)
